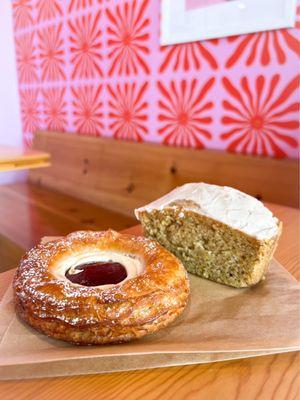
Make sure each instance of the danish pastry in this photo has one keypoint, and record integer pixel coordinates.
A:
(100, 287)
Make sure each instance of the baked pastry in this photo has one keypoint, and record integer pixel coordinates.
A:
(218, 233)
(100, 287)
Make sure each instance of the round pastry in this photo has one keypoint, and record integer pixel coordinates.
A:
(100, 287)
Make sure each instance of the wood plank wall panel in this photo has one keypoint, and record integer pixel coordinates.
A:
(122, 175)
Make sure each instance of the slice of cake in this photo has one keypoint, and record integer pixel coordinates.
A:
(218, 233)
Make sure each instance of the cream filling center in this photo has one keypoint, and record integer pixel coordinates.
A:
(133, 264)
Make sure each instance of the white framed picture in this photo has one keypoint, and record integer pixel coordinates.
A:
(192, 20)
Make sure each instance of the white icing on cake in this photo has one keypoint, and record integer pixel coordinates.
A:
(236, 209)
(133, 264)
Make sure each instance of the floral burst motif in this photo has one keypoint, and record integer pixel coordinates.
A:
(187, 55)
(87, 109)
(128, 38)
(51, 53)
(48, 9)
(128, 111)
(85, 46)
(22, 13)
(260, 120)
(25, 54)
(77, 4)
(183, 112)
(30, 109)
(55, 108)
(259, 46)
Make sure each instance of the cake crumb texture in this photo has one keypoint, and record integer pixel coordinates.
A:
(208, 247)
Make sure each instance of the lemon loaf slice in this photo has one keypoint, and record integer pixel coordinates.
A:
(218, 233)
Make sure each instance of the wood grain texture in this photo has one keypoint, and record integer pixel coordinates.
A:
(14, 158)
(288, 250)
(264, 378)
(28, 212)
(10, 253)
(124, 175)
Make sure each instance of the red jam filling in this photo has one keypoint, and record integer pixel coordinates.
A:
(98, 273)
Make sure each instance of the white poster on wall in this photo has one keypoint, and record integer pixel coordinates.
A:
(192, 20)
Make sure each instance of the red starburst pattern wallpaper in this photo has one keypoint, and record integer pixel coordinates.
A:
(26, 58)
(54, 104)
(128, 111)
(48, 9)
(22, 10)
(184, 112)
(85, 46)
(259, 116)
(51, 53)
(87, 109)
(96, 67)
(188, 56)
(128, 38)
(77, 4)
(30, 109)
(265, 47)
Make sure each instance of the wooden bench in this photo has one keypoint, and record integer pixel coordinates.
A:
(95, 183)
(124, 175)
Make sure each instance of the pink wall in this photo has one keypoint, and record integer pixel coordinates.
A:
(10, 120)
(96, 67)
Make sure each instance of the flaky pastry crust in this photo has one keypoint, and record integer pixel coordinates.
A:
(95, 315)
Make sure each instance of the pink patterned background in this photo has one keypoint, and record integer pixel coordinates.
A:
(96, 67)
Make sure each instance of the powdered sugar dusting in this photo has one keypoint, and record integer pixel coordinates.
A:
(48, 297)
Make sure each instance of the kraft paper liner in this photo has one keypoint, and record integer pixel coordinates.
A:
(117, 364)
(220, 323)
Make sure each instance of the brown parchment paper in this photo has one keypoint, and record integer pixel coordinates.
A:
(219, 323)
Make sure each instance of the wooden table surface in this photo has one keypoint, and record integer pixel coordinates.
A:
(29, 212)
(271, 377)
(15, 158)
